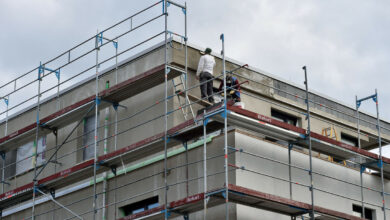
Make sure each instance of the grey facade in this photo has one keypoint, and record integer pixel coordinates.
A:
(143, 177)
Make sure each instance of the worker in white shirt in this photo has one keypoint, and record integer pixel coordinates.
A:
(205, 75)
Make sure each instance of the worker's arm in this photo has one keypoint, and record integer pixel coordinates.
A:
(237, 85)
(200, 66)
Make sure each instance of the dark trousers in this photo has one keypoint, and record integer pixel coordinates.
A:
(206, 89)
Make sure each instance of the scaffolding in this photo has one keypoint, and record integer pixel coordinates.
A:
(220, 117)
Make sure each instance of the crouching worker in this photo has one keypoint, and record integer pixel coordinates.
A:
(232, 90)
(205, 75)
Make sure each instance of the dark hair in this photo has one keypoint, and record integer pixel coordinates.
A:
(207, 51)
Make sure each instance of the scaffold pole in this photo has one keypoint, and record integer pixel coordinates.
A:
(204, 164)
(360, 158)
(222, 37)
(165, 8)
(380, 153)
(41, 70)
(290, 146)
(96, 120)
(308, 136)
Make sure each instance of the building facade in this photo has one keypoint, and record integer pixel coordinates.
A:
(268, 159)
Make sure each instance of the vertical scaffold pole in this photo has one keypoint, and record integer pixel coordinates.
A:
(55, 132)
(2, 153)
(186, 57)
(35, 158)
(105, 151)
(308, 135)
(222, 37)
(360, 158)
(380, 153)
(116, 61)
(204, 165)
(290, 145)
(96, 122)
(185, 88)
(6, 100)
(165, 7)
(116, 117)
(58, 89)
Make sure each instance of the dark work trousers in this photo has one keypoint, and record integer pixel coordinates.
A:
(206, 89)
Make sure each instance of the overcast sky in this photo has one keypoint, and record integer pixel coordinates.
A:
(344, 43)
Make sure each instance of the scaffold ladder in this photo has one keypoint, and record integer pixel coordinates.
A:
(332, 135)
(179, 88)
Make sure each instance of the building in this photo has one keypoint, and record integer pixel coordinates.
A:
(268, 158)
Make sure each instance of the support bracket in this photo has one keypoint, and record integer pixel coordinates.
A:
(380, 163)
(6, 100)
(53, 193)
(6, 183)
(2, 155)
(99, 39)
(362, 168)
(97, 101)
(42, 68)
(206, 121)
(55, 132)
(115, 106)
(56, 162)
(224, 195)
(113, 169)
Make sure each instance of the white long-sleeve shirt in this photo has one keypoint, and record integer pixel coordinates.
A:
(206, 64)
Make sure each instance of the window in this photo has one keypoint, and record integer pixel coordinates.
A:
(20, 160)
(88, 138)
(357, 211)
(23, 155)
(140, 206)
(346, 139)
(284, 117)
(9, 164)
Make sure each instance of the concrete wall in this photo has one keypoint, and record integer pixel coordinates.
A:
(273, 186)
(267, 87)
(71, 153)
(148, 181)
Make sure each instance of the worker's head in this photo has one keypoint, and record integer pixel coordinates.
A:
(228, 77)
(207, 51)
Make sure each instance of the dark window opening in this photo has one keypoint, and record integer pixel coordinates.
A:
(139, 206)
(347, 139)
(89, 137)
(9, 163)
(284, 117)
(357, 210)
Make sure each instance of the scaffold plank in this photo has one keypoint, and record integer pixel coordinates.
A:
(336, 148)
(72, 113)
(243, 196)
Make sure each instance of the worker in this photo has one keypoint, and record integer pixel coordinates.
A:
(205, 75)
(232, 89)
